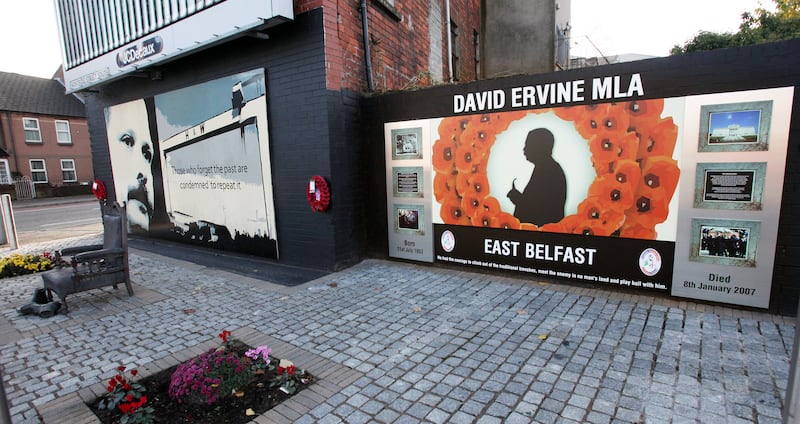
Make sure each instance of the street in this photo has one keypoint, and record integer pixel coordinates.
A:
(53, 222)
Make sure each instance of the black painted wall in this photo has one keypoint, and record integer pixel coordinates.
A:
(313, 131)
(746, 68)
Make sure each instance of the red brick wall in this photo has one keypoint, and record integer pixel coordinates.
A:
(49, 149)
(399, 49)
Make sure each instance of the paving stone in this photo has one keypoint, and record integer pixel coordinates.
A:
(468, 356)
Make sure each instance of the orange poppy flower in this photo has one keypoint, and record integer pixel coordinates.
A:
(499, 122)
(649, 209)
(480, 137)
(660, 172)
(451, 212)
(610, 194)
(482, 218)
(490, 204)
(479, 184)
(590, 228)
(658, 139)
(566, 225)
(637, 231)
(452, 127)
(444, 185)
(488, 208)
(527, 226)
(627, 172)
(607, 149)
(443, 156)
(466, 157)
(644, 112)
(616, 119)
(505, 220)
(603, 221)
(590, 121)
(470, 204)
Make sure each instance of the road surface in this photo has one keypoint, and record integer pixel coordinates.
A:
(54, 222)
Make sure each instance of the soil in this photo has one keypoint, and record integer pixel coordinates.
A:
(258, 396)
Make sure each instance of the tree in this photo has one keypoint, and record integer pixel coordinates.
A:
(759, 26)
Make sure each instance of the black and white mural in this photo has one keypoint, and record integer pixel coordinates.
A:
(194, 164)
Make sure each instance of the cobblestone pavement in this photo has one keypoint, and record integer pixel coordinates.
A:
(420, 344)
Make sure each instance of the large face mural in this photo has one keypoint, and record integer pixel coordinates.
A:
(131, 148)
(193, 164)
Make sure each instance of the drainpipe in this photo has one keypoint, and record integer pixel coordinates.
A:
(367, 55)
(449, 42)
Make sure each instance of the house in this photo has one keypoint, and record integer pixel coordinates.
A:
(43, 137)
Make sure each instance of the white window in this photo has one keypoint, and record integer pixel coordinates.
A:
(32, 133)
(5, 173)
(62, 132)
(38, 171)
(68, 171)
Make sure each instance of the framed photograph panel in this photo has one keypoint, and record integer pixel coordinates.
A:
(407, 181)
(735, 127)
(406, 143)
(732, 186)
(724, 242)
(409, 219)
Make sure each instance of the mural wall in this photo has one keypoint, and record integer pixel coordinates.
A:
(194, 164)
(595, 192)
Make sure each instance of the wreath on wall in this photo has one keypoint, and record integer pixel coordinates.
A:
(318, 194)
(99, 190)
(631, 148)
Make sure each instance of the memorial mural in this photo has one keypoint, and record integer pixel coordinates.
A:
(194, 164)
(534, 180)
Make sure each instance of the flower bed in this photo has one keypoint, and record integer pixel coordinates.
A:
(230, 384)
(17, 264)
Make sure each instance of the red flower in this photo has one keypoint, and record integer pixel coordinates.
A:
(134, 372)
(443, 156)
(444, 185)
(121, 368)
(505, 220)
(290, 370)
(224, 336)
(657, 139)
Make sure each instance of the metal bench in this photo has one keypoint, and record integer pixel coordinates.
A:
(90, 267)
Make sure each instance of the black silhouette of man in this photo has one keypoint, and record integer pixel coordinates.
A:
(543, 199)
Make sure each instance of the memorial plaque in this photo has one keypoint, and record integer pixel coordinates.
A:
(729, 186)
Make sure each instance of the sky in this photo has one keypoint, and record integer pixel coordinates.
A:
(609, 27)
(613, 27)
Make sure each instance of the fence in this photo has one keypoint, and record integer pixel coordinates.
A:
(24, 187)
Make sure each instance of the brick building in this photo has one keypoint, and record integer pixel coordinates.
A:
(43, 136)
(144, 70)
